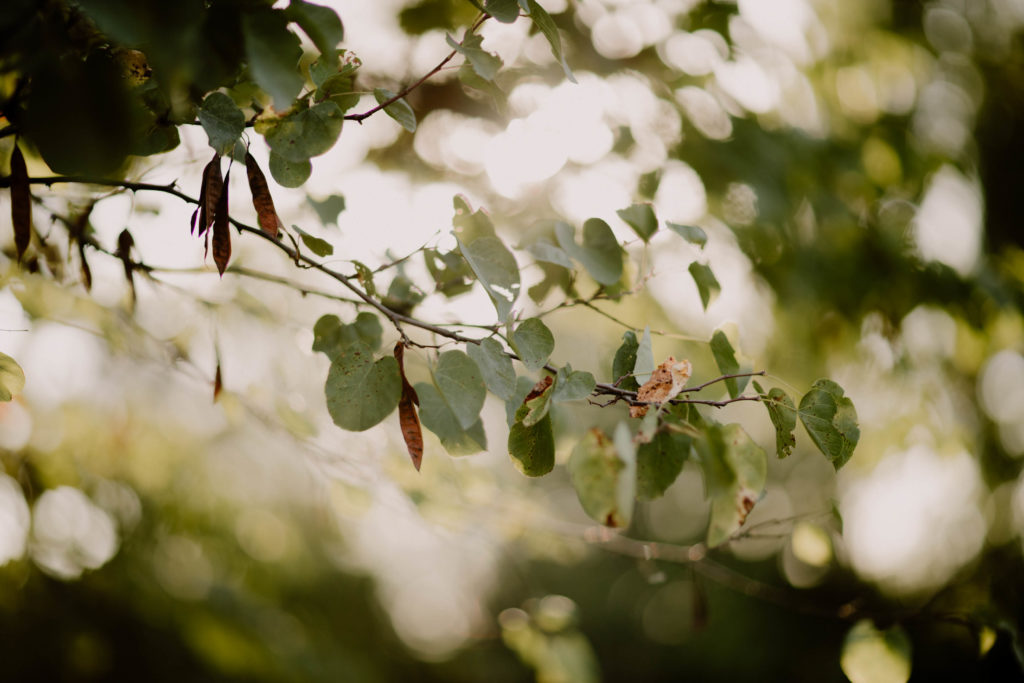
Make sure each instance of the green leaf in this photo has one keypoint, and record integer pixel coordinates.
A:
(505, 11)
(289, 173)
(735, 470)
(533, 343)
(328, 208)
(452, 275)
(470, 225)
(340, 89)
(365, 277)
(12, 378)
(600, 254)
(439, 419)
(496, 269)
(659, 462)
(603, 477)
(725, 358)
(273, 53)
(831, 420)
(399, 110)
(625, 361)
(324, 66)
(523, 387)
(525, 4)
(543, 250)
(644, 365)
(320, 23)
(641, 218)
(572, 385)
(532, 448)
(546, 25)
(402, 295)
(484, 63)
(331, 336)
(305, 133)
(690, 233)
(222, 120)
(870, 655)
(360, 391)
(318, 246)
(782, 412)
(707, 284)
(537, 407)
(495, 366)
(463, 389)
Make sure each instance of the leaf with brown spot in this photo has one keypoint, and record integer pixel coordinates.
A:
(221, 230)
(269, 221)
(21, 202)
(210, 193)
(407, 418)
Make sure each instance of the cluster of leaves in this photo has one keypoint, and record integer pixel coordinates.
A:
(641, 457)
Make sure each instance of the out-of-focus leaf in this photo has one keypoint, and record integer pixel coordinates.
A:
(644, 365)
(831, 419)
(331, 336)
(496, 269)
(505, 11)
(625, 361)
(218, 383)
(266, 214)
(600, 254)
(603, 472)
(439, 419)
(484, 63)
(365, 277)
(871, 655)
(221, 242)
(495, 366)
(459, 380)
(328, 208)
(690, 233)
(735, 470)
(320, 23)
(543, 250)
(659, 462)
(320, 247)
(782, 412)
(399, 110)
(21, 203)
(273, 53)
(533, 343)
(361, 392)
(707, 284)
(546, 25)
(12, 378)
(450, 271)
(289, 173)
(222, 120)
(641, 218)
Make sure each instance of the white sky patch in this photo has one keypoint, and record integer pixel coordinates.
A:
(915, 520)
(947, 227)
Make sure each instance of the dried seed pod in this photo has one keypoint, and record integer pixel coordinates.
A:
(269, 221)
(21, 202)
(407, 417)
(209, 194)
(221, 233)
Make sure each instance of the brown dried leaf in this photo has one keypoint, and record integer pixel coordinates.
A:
(21, 202)
(539, 388)
(125, 242)
(407, 418)
(221, 230)
(667, 380)
(86, 271)
(210, 193)
(269, 221)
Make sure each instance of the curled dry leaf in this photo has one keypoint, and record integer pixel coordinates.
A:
(125, 242)
(21, 202)
(407, 418)
(667, 380)
(539, 388)
(269, 221)
(221, 232)
(209, 195)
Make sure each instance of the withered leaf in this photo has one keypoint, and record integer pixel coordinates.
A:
(209, 194)
(665, 383)
(407, 417)
(538, 389)
(86, 271)
(269, 221)
(21, 202)
(221, 230)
